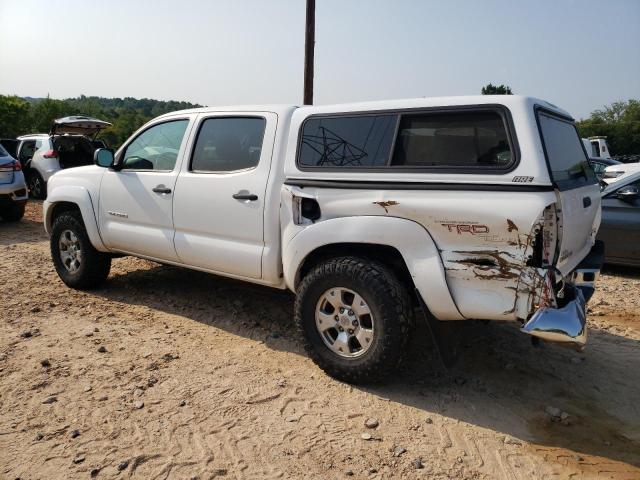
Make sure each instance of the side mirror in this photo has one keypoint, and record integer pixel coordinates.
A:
(628, 194)
(103, 157)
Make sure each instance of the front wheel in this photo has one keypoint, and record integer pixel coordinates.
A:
(355, 317)
(78, 264)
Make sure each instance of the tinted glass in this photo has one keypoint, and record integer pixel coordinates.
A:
(27, 150)
(3, 152)
(565, 153)
(356, 141)
(228, 144)
(598, 167)
(156, 148)
(464, 139)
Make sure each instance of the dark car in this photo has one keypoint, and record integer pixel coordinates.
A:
(599, 164)
(10, 145)
(620, 226)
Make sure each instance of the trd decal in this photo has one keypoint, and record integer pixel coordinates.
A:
(473, 229)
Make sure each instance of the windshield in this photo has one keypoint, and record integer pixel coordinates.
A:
(568, 163)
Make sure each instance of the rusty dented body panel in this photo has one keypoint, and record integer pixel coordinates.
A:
(484, 239)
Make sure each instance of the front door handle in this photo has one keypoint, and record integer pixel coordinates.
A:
(161, 189)
(245, 196)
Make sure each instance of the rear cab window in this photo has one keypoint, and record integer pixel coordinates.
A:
(567, 160)
(461, 141)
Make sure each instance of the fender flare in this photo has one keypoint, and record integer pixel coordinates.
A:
(81, 197)
(411, 239)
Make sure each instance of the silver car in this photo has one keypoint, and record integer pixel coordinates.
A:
(620, 227)
(13, 189)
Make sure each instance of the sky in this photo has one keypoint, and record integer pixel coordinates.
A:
(577, 54)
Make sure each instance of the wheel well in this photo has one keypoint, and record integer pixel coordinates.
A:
(388, 256)
(60, 208)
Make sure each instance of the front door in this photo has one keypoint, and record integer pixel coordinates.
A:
(135, 207)
(220, 194)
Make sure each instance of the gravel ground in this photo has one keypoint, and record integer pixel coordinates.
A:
(169, 373)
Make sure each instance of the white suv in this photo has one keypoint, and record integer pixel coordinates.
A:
(471, 207)
(70, 143)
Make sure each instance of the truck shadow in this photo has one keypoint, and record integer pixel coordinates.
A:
(500, 381)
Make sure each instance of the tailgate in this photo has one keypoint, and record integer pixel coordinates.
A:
(577, 189)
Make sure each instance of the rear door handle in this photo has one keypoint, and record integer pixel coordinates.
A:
(586, 202)
(161, 189)
(245, 196)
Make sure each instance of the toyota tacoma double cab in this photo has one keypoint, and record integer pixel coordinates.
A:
(480, 207)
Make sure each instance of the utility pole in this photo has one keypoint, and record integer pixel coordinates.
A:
(309, 47)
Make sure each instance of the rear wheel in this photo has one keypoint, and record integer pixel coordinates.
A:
(78, 264)
(36, 184)
(13, 213)
(355, 317)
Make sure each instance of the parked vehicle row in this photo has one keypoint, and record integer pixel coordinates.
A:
(70, 143)
(472, 207)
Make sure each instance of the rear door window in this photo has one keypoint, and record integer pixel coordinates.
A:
(568, 163)
(228, 144)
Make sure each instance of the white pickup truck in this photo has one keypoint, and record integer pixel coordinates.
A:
(478, 207)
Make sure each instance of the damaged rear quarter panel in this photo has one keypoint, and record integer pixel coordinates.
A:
(484, 239)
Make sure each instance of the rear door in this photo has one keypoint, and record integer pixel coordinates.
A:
(220, 193)
(577, 188)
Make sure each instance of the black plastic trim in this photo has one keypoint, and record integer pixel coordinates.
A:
(386, 185)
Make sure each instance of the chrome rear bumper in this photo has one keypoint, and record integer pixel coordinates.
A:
(568, 324)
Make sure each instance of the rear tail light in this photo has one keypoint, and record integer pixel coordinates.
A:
(12, 166)
(50, 154)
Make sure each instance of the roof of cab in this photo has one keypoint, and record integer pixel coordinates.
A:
(423, 102)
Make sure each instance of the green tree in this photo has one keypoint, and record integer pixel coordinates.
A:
(619, 122)
(491, 89)
(45, 111)
(14, 116)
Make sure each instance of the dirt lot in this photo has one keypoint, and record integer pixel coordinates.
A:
(167, 373)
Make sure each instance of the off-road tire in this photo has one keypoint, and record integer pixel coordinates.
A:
(94, 267)
(36, 184)
(13, 213)
(390, 306)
